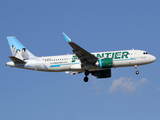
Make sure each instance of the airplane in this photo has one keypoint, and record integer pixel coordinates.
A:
(98, 64)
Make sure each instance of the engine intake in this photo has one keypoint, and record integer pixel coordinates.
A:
(105, 63)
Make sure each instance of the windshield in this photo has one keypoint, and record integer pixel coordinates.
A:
(145, 53)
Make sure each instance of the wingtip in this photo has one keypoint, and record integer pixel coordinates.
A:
(66, 37)
(63, 33)
(10, 36)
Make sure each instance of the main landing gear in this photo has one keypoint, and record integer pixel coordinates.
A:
(86, 74)
(137, 72)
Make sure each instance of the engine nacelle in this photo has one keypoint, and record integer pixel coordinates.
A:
(102, 73)
(105, 63)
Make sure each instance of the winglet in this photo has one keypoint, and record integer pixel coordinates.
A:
(66, 37)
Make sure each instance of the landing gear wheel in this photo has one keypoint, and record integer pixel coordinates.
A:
(86, 72)
(85, 79)
(137, 72)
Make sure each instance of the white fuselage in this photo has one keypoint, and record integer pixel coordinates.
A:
(72, 63)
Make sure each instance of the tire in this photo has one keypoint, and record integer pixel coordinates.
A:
(137, 72)
(85, 79)
(86, 72)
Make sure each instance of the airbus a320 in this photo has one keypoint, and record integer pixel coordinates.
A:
(98, 64)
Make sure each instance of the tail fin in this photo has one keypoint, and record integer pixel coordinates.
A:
(18, 50)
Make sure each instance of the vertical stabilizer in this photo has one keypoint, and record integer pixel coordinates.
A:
(18, 50)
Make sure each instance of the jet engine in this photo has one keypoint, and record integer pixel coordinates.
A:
(102, 73)
(105, 63)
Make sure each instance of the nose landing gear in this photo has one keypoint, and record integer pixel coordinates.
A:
(137, 72)
(86, 74)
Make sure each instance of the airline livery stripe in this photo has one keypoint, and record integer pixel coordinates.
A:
(124, 59)
(55, 65)
(64, 64)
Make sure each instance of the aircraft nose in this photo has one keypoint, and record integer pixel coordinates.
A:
(153, 58)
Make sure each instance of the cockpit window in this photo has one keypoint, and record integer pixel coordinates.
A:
(145, 53)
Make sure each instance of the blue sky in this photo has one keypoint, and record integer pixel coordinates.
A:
(98, 25)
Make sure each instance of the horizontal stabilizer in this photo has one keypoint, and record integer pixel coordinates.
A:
(16, 60)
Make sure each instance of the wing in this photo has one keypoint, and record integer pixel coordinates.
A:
(85, 57)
